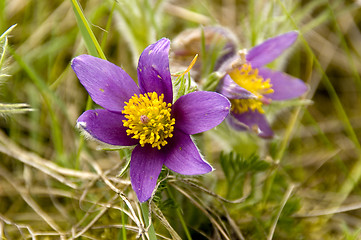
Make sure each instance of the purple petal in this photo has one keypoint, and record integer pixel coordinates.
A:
(235, 124)
(254, 121)
(106, 127)
(284, 86)
(269, 50)
(200, 111)
(145, 166)
(107, 84)
(153, 70)
(183, 156)
(232, 90)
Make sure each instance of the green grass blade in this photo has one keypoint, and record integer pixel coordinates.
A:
(345, 46)
(39, 82)
(145, 212)
(88, 35)
(48, 96)
(94, 49)
(354, 175)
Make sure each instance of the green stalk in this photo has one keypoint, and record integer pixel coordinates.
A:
(282, 150)
(145, 212)
(184, 225)
(180, 216)
(123, 233)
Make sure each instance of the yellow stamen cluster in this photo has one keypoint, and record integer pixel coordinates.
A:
(248, 78)
(149, 119)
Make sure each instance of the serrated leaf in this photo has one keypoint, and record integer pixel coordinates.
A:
(235, 166)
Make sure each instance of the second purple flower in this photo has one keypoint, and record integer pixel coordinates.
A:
(250, 86)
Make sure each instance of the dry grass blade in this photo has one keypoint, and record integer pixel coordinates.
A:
(18, 226)
(120, 194)
(233, 224)
(191, 183)
(128, 227)
(330, 211)
(27, 159)
(30, 201)
(186, 14)
(165, 223)
(200, 207)
(95, 219)
(8, 147)
(283, 203)
(43, 30)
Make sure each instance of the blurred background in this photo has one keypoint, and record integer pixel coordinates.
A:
(303, 184)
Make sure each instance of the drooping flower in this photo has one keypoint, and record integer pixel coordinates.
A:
(250, 86)
(146, 117)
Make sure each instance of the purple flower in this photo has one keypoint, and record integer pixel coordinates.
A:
(145, 116)
(249, 85)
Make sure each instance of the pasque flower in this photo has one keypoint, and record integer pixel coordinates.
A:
(146, 117)
(249, 85)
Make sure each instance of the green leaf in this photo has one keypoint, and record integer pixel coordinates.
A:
(236, 166)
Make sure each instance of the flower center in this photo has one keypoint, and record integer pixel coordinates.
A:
(248, 78)
(149, 119)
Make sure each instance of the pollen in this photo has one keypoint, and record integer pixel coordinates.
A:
(149, 119)
(248, 78)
